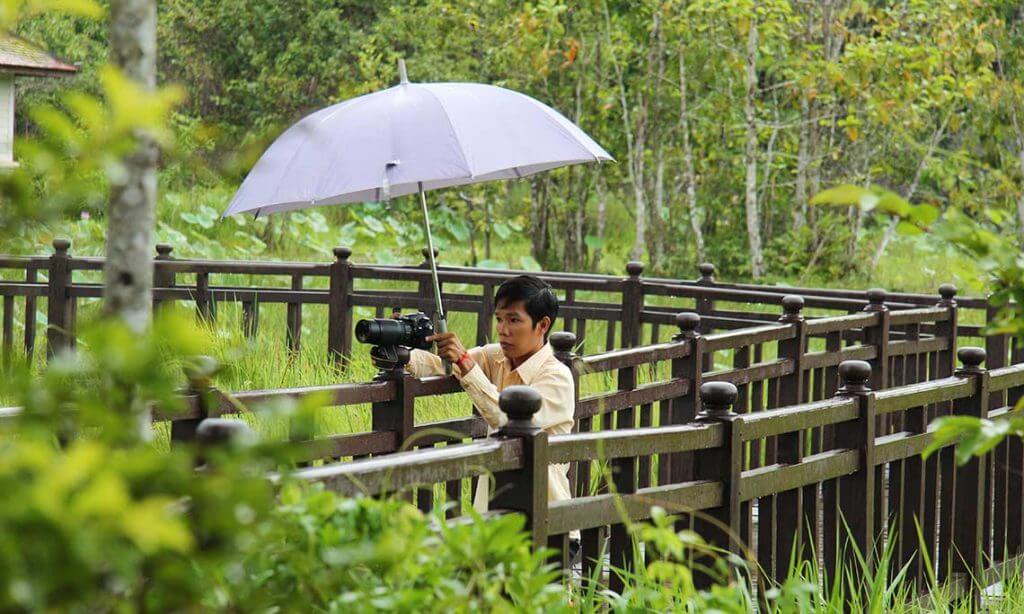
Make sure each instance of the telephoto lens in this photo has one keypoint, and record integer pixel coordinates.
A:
(408, 331)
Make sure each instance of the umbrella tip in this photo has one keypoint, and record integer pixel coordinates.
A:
(403, 77)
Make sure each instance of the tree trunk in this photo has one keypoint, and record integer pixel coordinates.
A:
(750, 155)
(693, 210)
(1020, 199)
(602, 206)
(538, 220)
(128, 272)
(802, 159)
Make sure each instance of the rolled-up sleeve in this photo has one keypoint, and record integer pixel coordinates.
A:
(556, 393)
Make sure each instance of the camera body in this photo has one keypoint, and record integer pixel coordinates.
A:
(393, 338)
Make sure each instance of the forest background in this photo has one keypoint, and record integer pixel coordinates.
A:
(725, 117)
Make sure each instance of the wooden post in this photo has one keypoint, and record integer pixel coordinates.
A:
(161, 278)
(525, 490)
(720, 526)
(849, 501)
(632, 305)
(219, 435)
(624, 478)
(997, 346)
(339, 307)
(878, 336)
(58, 309)
(969, 485)
(563, 344)
(30, 315)
(678, 467)
(705, 305)
(939, 468)
(293, 332)
(793, 512)
(485, 317)
(199, 375)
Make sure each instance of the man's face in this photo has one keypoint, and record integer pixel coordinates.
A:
(517, 333)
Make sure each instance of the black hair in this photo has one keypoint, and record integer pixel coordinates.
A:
(536, 295)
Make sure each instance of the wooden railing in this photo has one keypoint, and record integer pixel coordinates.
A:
(630, 310)
(852, 496)
(671, 429)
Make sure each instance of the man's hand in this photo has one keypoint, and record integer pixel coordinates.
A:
(450, 347)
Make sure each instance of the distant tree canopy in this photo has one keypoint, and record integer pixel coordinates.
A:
(725, 117)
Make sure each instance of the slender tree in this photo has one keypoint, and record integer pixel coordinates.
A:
(128, 272)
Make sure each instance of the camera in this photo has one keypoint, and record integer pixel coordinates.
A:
(392, 338)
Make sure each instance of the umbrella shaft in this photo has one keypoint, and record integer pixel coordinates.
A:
(433, 264)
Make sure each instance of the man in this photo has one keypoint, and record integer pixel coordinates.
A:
(525, 310)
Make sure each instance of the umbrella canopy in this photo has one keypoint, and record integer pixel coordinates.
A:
(409, 138)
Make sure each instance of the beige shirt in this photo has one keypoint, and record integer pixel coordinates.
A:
(492, 374)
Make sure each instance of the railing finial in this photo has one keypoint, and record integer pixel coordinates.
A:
(519, 403)
(61, 245)
(688, 323)
(707, 273)
(876, 299)
(792, 306)
(634, 268)
(717, 398)
(342, 253)
(948, 294)
(854, 376)
(971, 358)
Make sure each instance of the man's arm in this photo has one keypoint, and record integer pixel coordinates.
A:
(425, 364)
(556, 394)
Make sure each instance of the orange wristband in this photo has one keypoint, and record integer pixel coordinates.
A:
(462, 358)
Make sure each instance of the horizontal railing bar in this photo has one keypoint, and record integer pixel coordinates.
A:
(1004, 378)
(748, 336)
(758, 372)
(641, 395)
(394, 472)
(600, 510)
(797, 417)
(631, 357)
(897, 446)
(903, 317)
(925, 393)
(921, 346)
(776, 478)
(23, 289)
(448, 431)
(816, 360)
(338, 446)
(821, 326)
(620, 443)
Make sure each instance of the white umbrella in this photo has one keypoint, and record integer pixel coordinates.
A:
(411, 138)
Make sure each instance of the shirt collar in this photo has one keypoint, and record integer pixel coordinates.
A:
(530, 368)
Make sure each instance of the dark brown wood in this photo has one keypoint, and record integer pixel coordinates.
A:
(203, 299)
(250, 319)
(8, 329)
(394, 472)
(524, 489)
(293, 332)
(339, 312)
(596, 511)
(795, 511)
(719, 525)
(848, 501)
(58, 308)
(969, 489)
(30, 315)
(624, 478)
(624, 399)
(622, 443)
